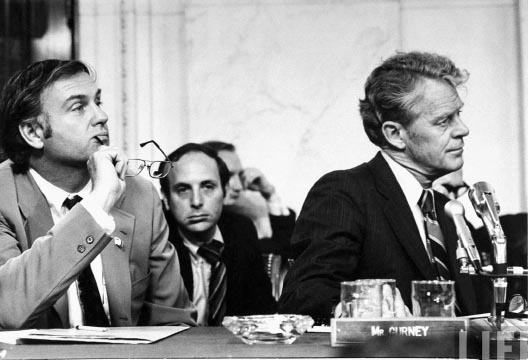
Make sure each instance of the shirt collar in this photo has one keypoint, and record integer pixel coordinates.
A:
(193, 248)
(55, 195)
(411, 187)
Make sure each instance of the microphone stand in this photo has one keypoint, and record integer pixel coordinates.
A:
(482, 197)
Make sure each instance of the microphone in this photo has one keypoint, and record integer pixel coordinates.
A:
(482, 196)
(455, 210)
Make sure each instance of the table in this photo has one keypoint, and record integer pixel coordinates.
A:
(198, 342)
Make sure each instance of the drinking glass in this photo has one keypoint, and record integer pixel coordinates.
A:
(433, 298)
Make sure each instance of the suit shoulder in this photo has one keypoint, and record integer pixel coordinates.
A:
(6, 169)
(343, 178)
(138, 184)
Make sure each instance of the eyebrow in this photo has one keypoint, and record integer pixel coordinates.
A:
(444, 114)
(81, 96)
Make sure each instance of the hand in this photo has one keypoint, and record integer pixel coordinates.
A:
(393, 302)
(254, 179)
(107, 168)
(250, 204)
(451, 185)
(392, 305)
(254, 206)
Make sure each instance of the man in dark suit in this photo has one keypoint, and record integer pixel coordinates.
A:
(233, 281)
(367, 222)
(105, 261)
(251, 194)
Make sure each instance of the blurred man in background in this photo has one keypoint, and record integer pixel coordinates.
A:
(251, 194)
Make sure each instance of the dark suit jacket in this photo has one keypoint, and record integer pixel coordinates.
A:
(279, 243)
(354, 224)
(39, 260)
(248, 285)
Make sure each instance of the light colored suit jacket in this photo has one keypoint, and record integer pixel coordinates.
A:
(39, 260)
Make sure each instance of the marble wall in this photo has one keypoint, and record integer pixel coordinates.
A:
(281, 78)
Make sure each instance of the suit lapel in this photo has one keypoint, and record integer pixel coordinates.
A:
(37, 222)
(183, 256)
(115, 257)
(399, 216)
(34, 209)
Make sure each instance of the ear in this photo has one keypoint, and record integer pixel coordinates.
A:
(32, 133)
(394, 134)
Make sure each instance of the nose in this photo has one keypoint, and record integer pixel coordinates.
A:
(461, 130)
(100, 116)
(196, 200)
(235, 184)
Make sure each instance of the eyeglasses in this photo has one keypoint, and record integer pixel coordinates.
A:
(156, 169)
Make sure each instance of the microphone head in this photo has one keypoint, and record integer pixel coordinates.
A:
(454, 207)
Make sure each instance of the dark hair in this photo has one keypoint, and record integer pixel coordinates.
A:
(20, 102)
(391, 89)
(219, 145)
(193, 147)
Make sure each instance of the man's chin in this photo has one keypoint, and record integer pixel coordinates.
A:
(199, 228)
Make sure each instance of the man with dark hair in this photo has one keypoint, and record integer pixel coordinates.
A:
(219, 252)
(105, 261)
(377, 220)
(251, 194)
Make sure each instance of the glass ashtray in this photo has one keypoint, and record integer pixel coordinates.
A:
(268, 329)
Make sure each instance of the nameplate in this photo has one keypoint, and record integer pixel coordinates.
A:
(401, 337)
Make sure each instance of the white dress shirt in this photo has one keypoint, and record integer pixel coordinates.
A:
(55, 198)
(201, 270)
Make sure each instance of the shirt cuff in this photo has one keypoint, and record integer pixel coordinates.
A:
(106, 221)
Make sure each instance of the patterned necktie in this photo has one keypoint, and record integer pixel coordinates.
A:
(211, 252)
(435, 239)
(89, 297)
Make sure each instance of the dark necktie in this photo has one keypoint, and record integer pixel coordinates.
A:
(211, 252)
(89, 297)
(435, 239)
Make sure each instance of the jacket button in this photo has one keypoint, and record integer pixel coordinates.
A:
(89, 239)
(81, 248)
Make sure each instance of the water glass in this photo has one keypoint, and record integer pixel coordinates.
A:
(433, 298)
(361, 298)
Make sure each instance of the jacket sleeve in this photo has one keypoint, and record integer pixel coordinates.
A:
(329, 232)
(282, 227)
(168, 301)
(262, 299)
(33, 280)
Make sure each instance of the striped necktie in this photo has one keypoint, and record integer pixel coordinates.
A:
(435, 239)
(89, 297)
(211, 252)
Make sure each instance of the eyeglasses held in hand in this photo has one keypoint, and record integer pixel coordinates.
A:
(156, 169)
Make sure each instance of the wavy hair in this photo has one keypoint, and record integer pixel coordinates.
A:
(20, 102)
(392, 89)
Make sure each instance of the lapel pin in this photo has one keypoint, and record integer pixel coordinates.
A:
(118, 242)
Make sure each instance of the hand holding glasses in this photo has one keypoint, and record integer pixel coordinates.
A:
(156, 169)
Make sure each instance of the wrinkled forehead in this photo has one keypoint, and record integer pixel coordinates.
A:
(194, 167)
(436, 98)
(78, 81)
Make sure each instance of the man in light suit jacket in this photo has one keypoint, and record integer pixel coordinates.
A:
(365, 222)
(55, 134)
(194, 193)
